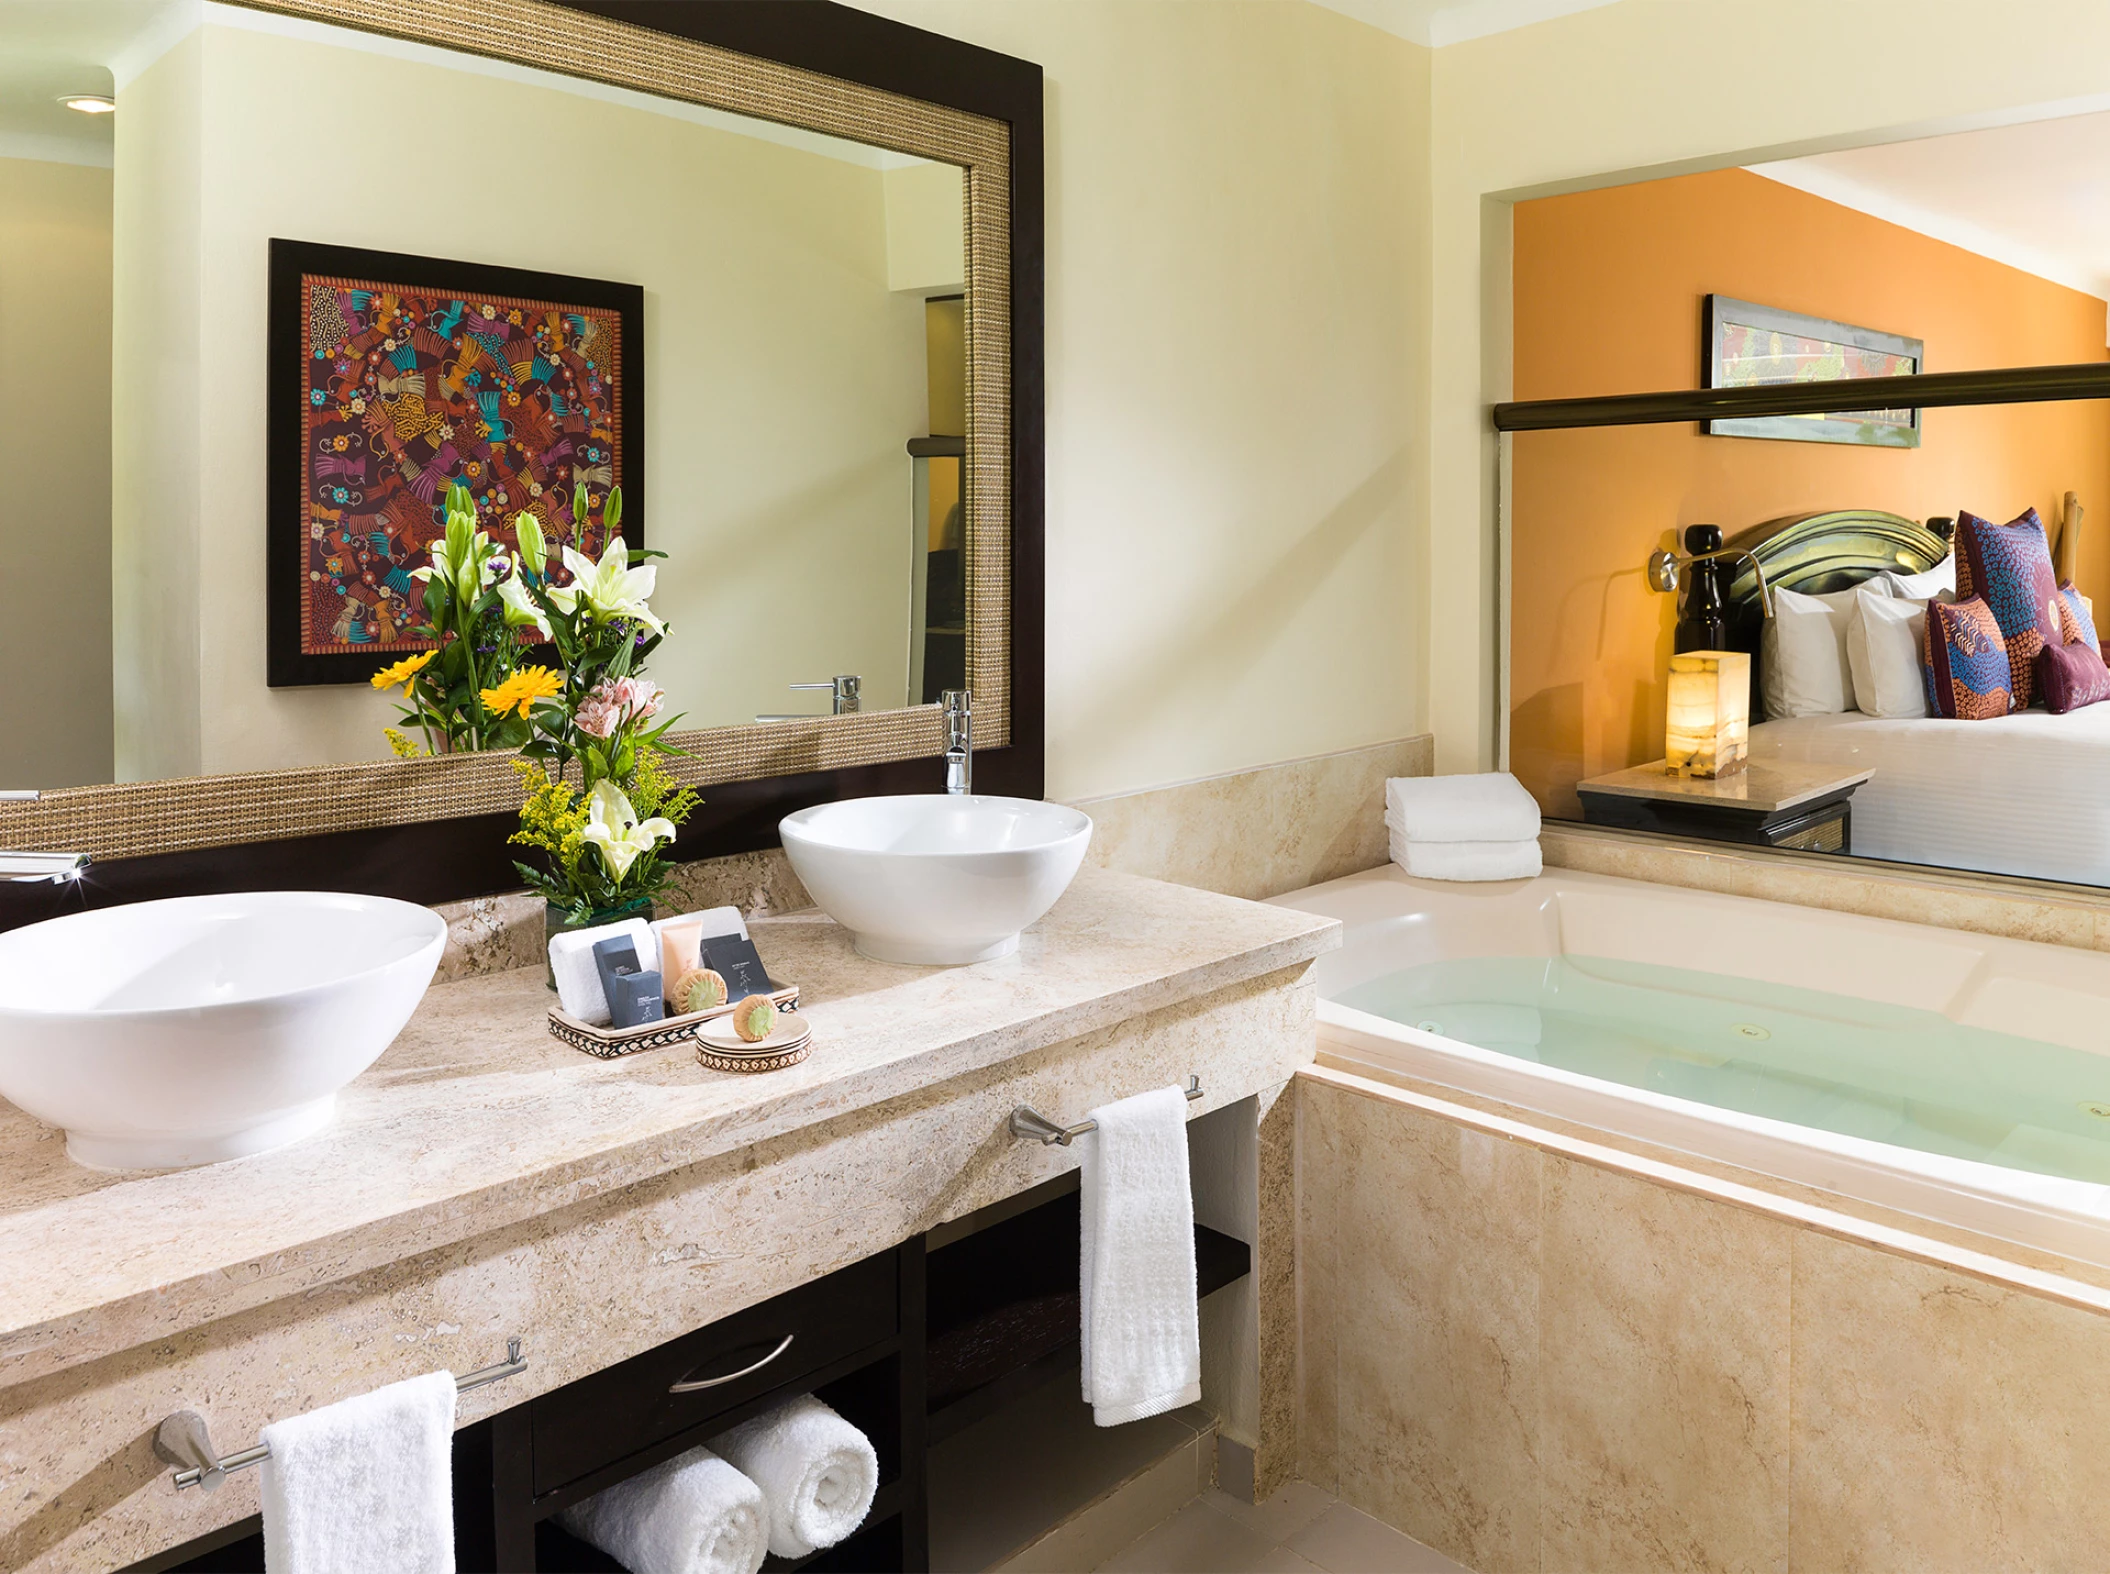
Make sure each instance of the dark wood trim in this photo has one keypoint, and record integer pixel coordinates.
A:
(1933, 390)
(287, 665)
(937, 448)
(446, 860)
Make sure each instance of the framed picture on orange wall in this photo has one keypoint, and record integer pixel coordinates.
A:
(1751, 346)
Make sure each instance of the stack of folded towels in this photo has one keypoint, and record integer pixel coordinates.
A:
(791, 1482)
(1463, 827)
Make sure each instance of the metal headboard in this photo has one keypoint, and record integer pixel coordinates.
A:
(1819, 553)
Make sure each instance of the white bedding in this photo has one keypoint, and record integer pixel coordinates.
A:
(2028, 794)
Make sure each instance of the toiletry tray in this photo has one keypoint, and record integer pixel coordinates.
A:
(607, 1043)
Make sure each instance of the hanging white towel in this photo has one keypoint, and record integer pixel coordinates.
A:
(1141, 1327)
(817, 1473)
(1490, 808)
(1468, 860)
(694, 1514)
(364, 1484)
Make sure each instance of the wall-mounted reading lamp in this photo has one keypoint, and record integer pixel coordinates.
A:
(1664, 568)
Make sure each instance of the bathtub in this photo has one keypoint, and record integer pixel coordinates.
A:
(1957, 1078)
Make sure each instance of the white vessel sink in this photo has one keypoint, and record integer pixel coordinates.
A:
(165, 1034)
(936, 878)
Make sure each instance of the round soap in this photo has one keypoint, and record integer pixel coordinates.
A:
(755, 1018)
(699, 989)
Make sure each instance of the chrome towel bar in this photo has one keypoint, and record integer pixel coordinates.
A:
(1027, 1121)
(183, 1441)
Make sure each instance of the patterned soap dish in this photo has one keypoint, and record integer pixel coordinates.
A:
(720, 1048)
(607, 1043)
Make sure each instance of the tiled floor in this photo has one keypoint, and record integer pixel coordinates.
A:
(1300, 1530)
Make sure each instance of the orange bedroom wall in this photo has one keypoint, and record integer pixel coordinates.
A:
(1609, 298)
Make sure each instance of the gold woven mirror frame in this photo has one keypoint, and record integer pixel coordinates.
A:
(141, 819)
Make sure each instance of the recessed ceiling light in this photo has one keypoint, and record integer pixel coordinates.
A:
(90, 103)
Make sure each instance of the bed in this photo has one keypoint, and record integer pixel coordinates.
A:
(2027, 794)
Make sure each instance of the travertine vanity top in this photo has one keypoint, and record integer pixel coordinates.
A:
(476, 1118)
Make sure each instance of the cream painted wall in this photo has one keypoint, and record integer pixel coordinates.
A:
(783, 374)
(926, 228)
(1657, 87)
(55, 453)
(1236, 307)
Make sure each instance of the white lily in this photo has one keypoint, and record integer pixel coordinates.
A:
(612, 825)
(610, 587)
(476, 558)
(521, 611)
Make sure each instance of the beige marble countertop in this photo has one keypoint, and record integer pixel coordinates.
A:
(476, 1118)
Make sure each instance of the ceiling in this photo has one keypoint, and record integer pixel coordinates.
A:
(2035, 196)
(1439, 22)
(50, 47)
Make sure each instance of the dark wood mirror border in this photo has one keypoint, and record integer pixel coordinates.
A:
(447, 860)
(1926, 391)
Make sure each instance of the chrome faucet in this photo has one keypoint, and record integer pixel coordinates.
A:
(959, 741)
(58, 868)
(846, 691)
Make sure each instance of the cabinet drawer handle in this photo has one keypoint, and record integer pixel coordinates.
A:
(689, 1385)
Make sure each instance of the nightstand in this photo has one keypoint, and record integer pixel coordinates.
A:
(1772, 804)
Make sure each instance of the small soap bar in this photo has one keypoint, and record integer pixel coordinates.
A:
(699, 989)
(755, 1018)
(578, 976)
(633, 992)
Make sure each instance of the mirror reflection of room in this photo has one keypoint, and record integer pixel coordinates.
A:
(1815, 551)
(802, 342)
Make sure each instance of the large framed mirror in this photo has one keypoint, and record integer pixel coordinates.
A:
(1803, 498)
(288, 275)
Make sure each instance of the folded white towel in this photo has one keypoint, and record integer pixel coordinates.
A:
(1141, 1328)
(579, 976)
(1468, 860)
(816, 1471)
(1490, 808)
(364, 1484)
(694, 1514)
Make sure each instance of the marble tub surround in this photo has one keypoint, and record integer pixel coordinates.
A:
(477, 1119)
(1261, 832)
(1535, 1352)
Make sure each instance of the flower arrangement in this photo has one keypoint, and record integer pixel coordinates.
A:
(601, 838)
(472, 692)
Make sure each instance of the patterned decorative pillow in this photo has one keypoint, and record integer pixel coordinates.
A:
(2076, 621)
(1966, 661)
(2070, 676)
(2009, 566)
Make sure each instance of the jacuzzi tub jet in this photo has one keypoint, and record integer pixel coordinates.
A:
(1751, 1030)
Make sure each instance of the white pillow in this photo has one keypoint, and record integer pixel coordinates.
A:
(1920, 587)
(1883, 638)
(1802, 652)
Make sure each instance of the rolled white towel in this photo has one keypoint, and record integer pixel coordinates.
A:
(1468, 860)
(817, 1473)
(694, 1514)
(1489, 808)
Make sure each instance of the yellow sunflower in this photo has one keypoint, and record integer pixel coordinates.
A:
(520, 691)
(403, 671)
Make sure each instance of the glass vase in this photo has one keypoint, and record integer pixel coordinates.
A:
(554, 923)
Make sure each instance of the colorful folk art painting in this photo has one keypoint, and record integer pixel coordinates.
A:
(408, 389)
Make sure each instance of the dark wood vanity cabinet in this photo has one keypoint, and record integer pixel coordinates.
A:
(910, 1345)
(855, 1338)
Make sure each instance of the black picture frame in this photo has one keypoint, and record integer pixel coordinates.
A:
(288, 663)
(1853, 427)
(435, 861)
